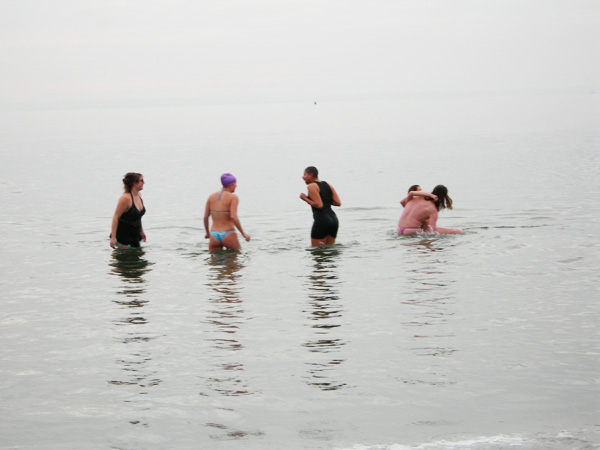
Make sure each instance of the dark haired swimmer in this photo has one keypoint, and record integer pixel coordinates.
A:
(321, 196)
(442, 202)
(408, 198)
(420, 215)
(126, 229)
(413, 218)
(222, 207)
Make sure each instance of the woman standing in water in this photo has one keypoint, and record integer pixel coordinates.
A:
(320, 197)
(222, 207)
(126, 230)
(421, 212)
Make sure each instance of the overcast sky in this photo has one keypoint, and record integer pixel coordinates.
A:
(126, 52)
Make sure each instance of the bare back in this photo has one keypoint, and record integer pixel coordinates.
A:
(418, 213)
(222, 206)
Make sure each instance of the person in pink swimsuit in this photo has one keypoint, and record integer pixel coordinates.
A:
(421, 211)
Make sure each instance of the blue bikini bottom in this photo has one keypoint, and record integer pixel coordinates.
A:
(219, 235)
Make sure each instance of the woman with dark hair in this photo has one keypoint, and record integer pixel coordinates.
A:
(321, 196)
(414, 190)
(421, 212)
(126, 230)
(442, 202)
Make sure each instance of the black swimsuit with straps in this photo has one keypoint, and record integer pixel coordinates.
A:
(326, 222)
(129, 229)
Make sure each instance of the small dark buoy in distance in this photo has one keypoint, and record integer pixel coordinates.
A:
(315, 103)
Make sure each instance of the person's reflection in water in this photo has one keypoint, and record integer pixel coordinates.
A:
(130, 329)
(130, 265)
(430, 301)
(324, 318)
(225, 317)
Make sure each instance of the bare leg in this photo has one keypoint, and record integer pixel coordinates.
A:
(448, 230)
(214, 245)
(327, 240)
(410, 231)
(231, 242)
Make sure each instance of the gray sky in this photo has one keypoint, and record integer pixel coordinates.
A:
(128, 52)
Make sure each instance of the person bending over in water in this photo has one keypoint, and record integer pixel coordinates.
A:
(126, 229)
(222, 207)
(421, 212)
(320, 197)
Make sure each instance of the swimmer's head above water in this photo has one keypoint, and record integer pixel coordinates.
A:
(443, 199)
(227, 179)
(311, 174)
(313, 171)
(130, 179)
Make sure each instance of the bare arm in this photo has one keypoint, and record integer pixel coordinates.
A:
(123, 205)
(234, 217)
(315, 197)
(335, 199)
(206, 216)
(431, 222)
(412, 194)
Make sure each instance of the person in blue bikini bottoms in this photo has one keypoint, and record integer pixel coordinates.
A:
(221, 206)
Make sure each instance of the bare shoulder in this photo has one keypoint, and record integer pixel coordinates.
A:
(125, 198)
(313, 187)
(213, 196)
(426, 205)
(224, 197)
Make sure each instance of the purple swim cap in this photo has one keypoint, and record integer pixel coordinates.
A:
(227, 179)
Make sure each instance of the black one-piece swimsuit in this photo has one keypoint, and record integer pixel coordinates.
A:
(326, 222)
(129, 229)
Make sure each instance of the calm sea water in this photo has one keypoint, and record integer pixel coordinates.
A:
(488, 340)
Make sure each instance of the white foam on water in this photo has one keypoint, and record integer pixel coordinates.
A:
(482, 442)
(583, 439)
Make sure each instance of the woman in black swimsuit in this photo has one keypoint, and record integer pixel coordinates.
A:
(321, 196)
(126, 230)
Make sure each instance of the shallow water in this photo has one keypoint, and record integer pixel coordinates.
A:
(488, 340)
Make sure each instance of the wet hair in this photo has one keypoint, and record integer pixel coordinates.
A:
(443, 201)
(413, 187)
(312, 170)
(130, 179)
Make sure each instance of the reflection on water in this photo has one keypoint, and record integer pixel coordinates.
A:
(324, 318)
(430, 299)
(226, 316)
(130, 266)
